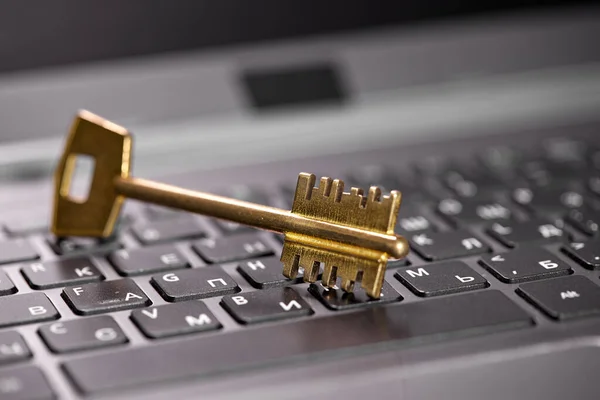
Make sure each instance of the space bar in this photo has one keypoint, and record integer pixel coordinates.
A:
(468, 314)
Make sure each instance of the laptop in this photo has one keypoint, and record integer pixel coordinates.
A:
(485, 117)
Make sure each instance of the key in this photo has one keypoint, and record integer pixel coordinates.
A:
(6, 285)
(515, 233)
(82, 246)
(564, 298)
(266, 305)
(95, 298)
(443, 245)
(197, 283)
(27, 226)
(351, 234)
(167, 230)
(26, 308)
(12, 348)
(587, 254)
(442, 278)
(147, 260)
(549, 200)
(82, 334)
(233, 248)
(16, 250)
(336, 299)
(264, 273)
(175, 319)
(434, 320)
(525, 264)
(472, 211)
(586, 220)
(69, 271)
(24, 383)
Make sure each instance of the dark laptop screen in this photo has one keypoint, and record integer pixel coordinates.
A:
(50, 33)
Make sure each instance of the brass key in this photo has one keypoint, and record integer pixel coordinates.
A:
(351, 234)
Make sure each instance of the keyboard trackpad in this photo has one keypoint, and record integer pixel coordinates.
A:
(545, 374)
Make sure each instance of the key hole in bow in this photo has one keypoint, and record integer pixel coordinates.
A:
(78, 177)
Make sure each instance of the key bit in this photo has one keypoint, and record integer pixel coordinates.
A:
(351, 234)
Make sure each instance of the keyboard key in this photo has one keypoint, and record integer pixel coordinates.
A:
(525, 264)
(167, 230)
(429, 321)
(24, 383)
(549, 200)
(442, 278)
(82, 245)
(264, 273)
(411, 220)
(147, 260)
(585, 253)
(587, 221)
(69, 271)
(95, 298)
(197, 283)
(26, 226)
(12, 348)
(17, 250)
(515, 233)
(232, 248)
(26, 308)
(266, 305)
(472, 211)
(6, 285)
(336, 299)
(443, 245)
(82, 334)
(175, 319)
(564, 298)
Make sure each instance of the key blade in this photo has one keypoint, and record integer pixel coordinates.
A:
(327, 202)
(110, 147)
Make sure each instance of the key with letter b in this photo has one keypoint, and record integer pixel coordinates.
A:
(350, 234)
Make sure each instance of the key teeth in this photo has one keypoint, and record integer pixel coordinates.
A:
(305, 185)
(337, 189)
(325, 186)
(374, 195)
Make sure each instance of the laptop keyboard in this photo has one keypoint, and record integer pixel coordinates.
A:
(506, 240)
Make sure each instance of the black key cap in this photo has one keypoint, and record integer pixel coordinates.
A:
(264, 273)
(197, 283)
(82, 334)
(411, 220)
(549, 200)
(472, 211)
(585, 253)
(168, 230)
(12, 348)
(442, 278)
(82, 245)
(17, 250)
(175, 319)
(148, 259)
(95, 298)
(24, 383)
(27, 226)
(233, 248)
(406, 324)
(586, 220)
(336, 299)
(564, 298)
(500, 160)
(266, 305)
(26, 308)
(443, 245)
(515, 233)
(69, 271)
(525, 264)
(6, 285)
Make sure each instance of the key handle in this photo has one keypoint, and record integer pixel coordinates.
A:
(109, 145)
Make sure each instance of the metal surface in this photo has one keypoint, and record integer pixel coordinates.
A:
(351, 234)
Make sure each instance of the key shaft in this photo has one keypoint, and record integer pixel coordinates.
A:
(256, 215)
